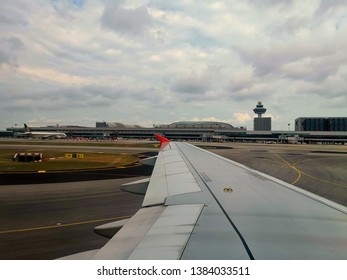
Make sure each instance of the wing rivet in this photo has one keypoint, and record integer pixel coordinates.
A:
(227, 190)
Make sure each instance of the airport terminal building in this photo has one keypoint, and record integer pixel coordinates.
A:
(189, 131)
(321, 124)
(182, 131)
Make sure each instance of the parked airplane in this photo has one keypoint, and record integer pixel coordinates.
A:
(199, 205)
(43, 134)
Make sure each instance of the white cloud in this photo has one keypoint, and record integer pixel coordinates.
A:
(54, 76)
(242, 118)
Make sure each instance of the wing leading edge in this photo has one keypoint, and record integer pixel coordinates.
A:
(199, 205)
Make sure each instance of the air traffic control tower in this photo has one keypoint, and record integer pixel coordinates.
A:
(260, 123)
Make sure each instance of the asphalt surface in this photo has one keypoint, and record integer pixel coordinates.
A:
(51, 220)
(73, 176)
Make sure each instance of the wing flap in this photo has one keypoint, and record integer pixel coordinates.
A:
(138, 187)
(153, 233)
(87, 255)
(110, 229)
(170, 233)
(171, 176)
(127, 239)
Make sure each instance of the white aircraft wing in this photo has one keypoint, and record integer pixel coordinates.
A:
(199, 205)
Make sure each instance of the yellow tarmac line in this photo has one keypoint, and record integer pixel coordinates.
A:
(64, 225)
(300, 173)
(316, 178)
(291, 166)
(325, 181)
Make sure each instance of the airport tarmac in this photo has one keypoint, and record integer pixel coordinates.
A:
(47, 221)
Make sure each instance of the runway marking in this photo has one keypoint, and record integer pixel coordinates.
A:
(291, 166)
(300, 173)
(322, 180)
(316, 178)
(64, 225)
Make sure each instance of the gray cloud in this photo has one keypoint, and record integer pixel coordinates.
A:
(260, 3)
(9, 48)
(265, 61)
(296, 60)
(60, 100)
(330, 7)
(258, 91)
(290, 25)
(166, 5)
(335, 10)
(127, 21)
(11, 19)
(196, 85)
(11, 14)
(314, 71)
(90, 96)
(238, 84)
(191, 85)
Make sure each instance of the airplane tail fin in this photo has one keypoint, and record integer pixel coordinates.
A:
(26, 128)
(162, 139)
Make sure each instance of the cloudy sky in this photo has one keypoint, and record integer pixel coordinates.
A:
(75, 62)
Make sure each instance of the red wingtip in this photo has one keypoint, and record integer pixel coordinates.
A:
(162, 139)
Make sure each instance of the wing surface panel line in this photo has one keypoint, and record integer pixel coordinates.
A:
(248, 250)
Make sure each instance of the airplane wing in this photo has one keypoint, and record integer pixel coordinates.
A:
(199, 205)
